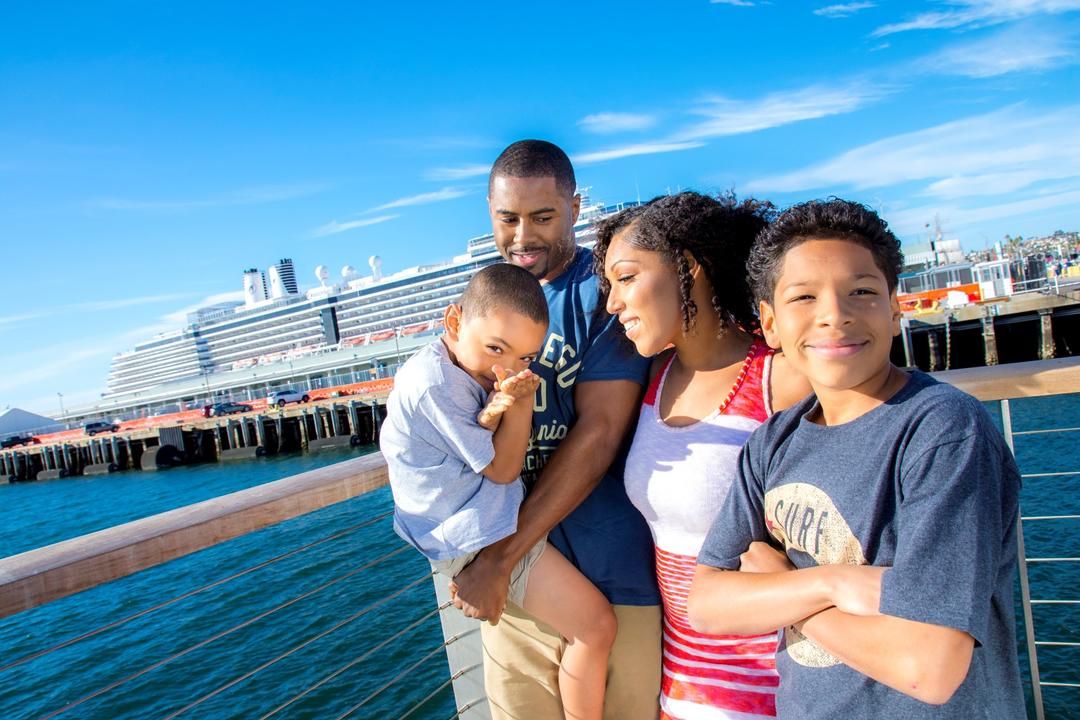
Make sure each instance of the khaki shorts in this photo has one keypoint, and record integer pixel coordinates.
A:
(521, 666)
(519, 576)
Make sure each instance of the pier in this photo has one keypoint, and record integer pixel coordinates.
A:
(1023, 327)
(142, 445)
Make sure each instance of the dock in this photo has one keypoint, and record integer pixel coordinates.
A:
(148, 446)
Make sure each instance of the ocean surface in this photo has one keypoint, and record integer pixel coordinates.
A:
(353, 559)
(219, 667)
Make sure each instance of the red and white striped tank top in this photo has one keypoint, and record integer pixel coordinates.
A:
(678, 477)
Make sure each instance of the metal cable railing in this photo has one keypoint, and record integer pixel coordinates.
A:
(355, 661)
(177, 598)
(337, 626)
(445, 684)
(1023, 560)
(394, 680)
(224, 633)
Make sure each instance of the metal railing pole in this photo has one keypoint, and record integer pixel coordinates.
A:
(1025, 590)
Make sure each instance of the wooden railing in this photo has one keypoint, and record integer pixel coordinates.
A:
(39, 576)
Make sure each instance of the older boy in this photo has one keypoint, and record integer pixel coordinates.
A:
(455, 463)
(893, 495)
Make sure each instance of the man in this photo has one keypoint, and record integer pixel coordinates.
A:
(590, 390)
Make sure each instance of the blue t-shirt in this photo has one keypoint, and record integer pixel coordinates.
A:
(605, 537)
(923, 484)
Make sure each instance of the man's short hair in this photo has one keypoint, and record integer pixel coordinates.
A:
(504, 286)
(535, 158)
(822, 220)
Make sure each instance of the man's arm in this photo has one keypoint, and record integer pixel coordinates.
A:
(606, 410)
(926, 661)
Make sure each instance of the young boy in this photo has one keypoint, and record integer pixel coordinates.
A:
(893, 496)
(455, 456)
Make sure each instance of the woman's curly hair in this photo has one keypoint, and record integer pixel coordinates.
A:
(717, 232)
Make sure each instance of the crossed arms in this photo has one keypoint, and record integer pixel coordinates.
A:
(836, 606)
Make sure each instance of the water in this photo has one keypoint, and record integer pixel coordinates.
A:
(36, 514)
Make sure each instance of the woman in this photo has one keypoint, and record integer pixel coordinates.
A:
(675, 274)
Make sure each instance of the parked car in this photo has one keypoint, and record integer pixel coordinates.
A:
(99, 426)
(281, 397)
(16, 440)
(228, 408)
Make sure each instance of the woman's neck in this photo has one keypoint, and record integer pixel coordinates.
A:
(708, 346)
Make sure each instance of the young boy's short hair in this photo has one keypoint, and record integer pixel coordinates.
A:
(504, 286)
(819, 220)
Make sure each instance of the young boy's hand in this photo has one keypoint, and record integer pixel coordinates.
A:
(761, 557)
(520, 386)
(491, 415)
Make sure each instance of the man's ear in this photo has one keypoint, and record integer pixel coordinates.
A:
(768, 325)
(452, 321)
(575, 207)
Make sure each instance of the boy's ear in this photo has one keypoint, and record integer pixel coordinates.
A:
(894, 303)
(452, 321)
(768, 325)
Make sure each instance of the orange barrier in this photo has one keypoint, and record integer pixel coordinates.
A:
(931, 299)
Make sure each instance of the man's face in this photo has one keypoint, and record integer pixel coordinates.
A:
(533, 222)
(833, 315)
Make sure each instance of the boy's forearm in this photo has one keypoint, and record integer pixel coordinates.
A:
(927, 662)
(511, 440)
(731, 602)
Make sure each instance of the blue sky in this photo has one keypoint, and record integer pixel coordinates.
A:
(150, 152)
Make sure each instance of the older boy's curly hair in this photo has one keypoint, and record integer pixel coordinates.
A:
(717, 232)
(818, 220)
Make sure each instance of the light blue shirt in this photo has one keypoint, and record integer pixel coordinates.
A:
(436, 451)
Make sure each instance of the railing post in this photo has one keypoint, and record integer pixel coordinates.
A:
(463, 654)
(1025, 590)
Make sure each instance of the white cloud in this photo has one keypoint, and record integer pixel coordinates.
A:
(844, 9)
(423, 199)
(460, 172)
(979, 13)
(612, 122)
(334, 227)
(129, 302)
(1015, 139)
(632, 150)
(912, 220)
(735, 117)
(247, 196)
(50, 363)
(178, 318)
(9, 321)
(1015, 49)
(736, 3)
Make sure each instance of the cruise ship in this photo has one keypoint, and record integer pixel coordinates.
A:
(277, 333)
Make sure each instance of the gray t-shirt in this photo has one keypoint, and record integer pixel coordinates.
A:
(923, 484)
(435, 452)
